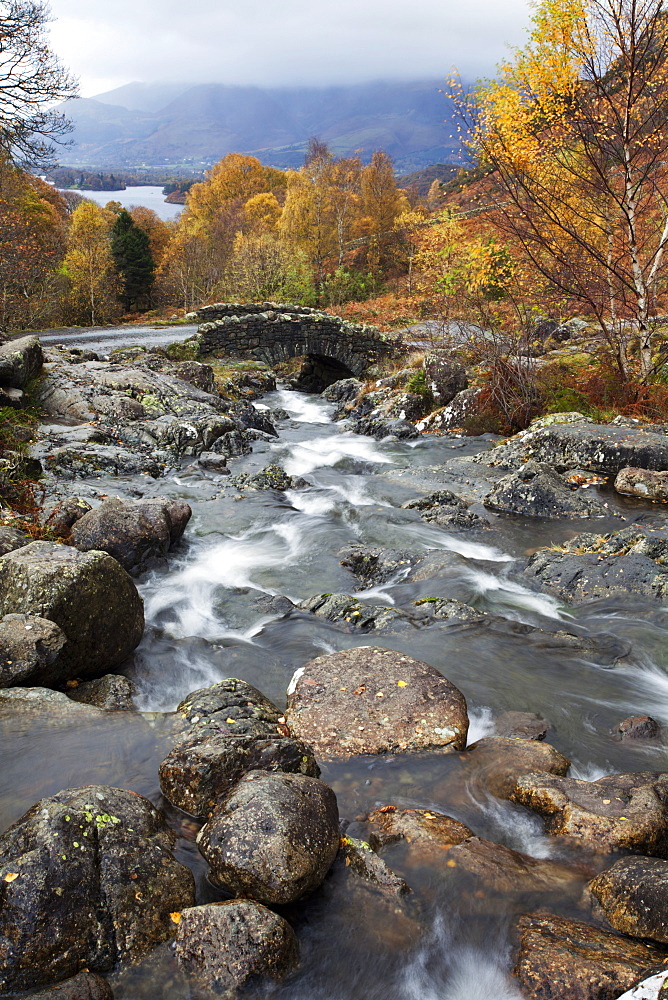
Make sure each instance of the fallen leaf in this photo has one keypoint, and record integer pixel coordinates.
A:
(175, 918)
(402, 684)
(11, 876)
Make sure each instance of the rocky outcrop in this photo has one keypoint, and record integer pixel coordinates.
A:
(563, 959)
(89, 881)
(445, 509)
(273, 838)
(20, 360)
(445, 375)
(86, 594)
(113, 693)
(224, 946)
(536, 490)
(618, 812)
(133, 532)
(572, 441)
(350, 613)
(370, 700)
(84, 986)
(374, 566)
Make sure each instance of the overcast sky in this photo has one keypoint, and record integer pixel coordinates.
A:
(281, 42)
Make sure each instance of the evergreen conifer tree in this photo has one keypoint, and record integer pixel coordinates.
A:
(133, 261)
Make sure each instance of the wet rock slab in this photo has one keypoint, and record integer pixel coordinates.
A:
(364, 862)
(643, 483)
(88, 880)
(113, 693)
(273, 838)
(29, 648)
(390, 824)
(370, 700)
(355, 616)
(84, 986)
(563, 959)
(225, 946)
(618, 812)
(497, 762)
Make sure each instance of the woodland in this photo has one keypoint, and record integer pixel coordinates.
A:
(562, 213)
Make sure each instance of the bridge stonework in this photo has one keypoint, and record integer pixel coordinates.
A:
(272, 333)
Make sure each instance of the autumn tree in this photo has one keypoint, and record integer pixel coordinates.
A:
(382, 203)
(88, 263)
(264, 268)
(575, 128)
(307, 221)
(32, 80)
(158, 231)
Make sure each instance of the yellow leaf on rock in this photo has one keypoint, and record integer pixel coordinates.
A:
(10, 876)
(175, 918)
(402, 684)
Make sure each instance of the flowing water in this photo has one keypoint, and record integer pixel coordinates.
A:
(212, 613)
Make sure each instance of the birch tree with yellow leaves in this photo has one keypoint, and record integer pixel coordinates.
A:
(575, 128)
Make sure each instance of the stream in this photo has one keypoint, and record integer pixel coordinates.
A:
(212, 612)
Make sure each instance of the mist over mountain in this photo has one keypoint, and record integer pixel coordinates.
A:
(181, 125)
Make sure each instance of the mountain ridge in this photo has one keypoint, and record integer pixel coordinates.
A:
(195, 126)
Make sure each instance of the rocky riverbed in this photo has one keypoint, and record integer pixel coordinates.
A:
(301, 694)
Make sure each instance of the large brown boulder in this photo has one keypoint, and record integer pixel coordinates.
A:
(369, 700)
(273, 838)
(87, 594)
(567, 960)
(618, 812)
(634, 898)
(133, 532)
(88, 880)
(224, 945)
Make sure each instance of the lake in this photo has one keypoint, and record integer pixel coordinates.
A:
(150, 196)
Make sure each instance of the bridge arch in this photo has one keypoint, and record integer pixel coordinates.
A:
(274, 333)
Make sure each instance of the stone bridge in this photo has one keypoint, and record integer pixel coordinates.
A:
(270, 332)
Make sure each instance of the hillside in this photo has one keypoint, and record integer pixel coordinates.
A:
(195, 126)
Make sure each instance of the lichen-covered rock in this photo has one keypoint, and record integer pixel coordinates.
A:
(20, 360)
(536, 490)
(382, 427)
(461, 409)
(235, 706)
(371, 700)
(224, 946)
(11, 539)
(343, 391)
(520, 726)
(643, 483)
(206, 763)
(445, 375)
(113, 693)
(89, 880)
(571, 441)
(273, 838)
(87, 594)
(364, 862)
(617, 812)
(132, 531)
(633, 895)
(29, 648)
(562, 959)
(272, 477)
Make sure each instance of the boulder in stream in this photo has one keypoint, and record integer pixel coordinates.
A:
(84, 986)
(29, 649)
(88, 880)
(370, 700)
(497, 762)
(113, 693)
(273, 838)
(225, 946)
(561, 959)
(617, 812)
(643, 483)
(633, 897)
(87, 594)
